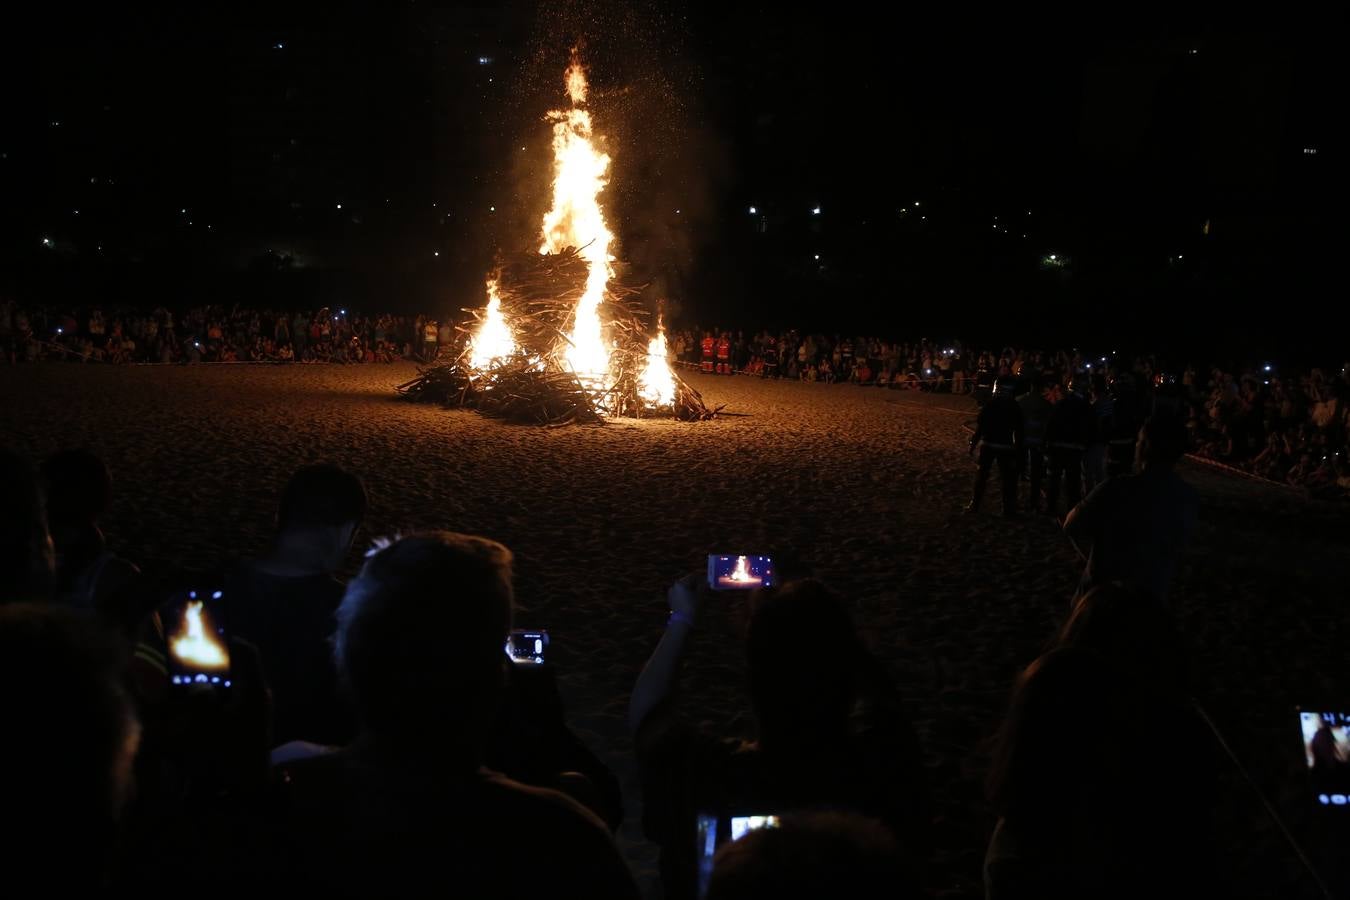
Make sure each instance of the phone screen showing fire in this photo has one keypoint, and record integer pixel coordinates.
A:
(730, 573)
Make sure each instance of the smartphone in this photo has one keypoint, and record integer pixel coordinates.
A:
(526, 646)
(1326, 750)
(716, 830)
(739, 573)
(198, 644)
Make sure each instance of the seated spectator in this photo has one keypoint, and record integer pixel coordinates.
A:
(66, 762)
(1138, 525)
(1102, 777)
(1269, 463)
(1343, 475)
(813, 855)
(27, 557)
(1321, 481)
(831, 733)
(409, 806)
(1302, 471)
(284, 603)
(89, 576)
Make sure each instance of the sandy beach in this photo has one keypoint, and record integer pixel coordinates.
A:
(862, 486)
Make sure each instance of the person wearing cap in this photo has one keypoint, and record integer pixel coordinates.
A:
(998, 436)
(1067, 435)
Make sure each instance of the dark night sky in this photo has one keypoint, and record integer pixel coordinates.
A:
(1121, 142)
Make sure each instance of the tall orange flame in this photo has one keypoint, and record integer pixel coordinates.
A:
(576, 220)
(493, 340)
(656, 385)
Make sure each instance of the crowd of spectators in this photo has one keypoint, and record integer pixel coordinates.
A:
(1285, 426)
(374, 738)
(215, 334)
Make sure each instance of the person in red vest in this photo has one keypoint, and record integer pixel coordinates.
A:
(709, 348)
(724, 354)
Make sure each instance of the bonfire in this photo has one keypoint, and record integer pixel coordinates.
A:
(563, 337)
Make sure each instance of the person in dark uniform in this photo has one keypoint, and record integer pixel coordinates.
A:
(1036, 411)
(1103, 405)
(1067, 435)
(998, 436)
(770, 354)
(1125, 423)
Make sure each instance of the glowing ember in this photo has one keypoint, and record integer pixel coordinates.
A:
(576, 220)
(196, 645)
(493, 340)
(742, 571)
(657, 382)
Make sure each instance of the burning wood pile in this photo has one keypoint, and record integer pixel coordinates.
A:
(562, 340)
(512, 360)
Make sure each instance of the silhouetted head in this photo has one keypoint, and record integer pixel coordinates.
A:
(1162, 441)
(78, 487)
(322, 506)
(802, 652)
(66, 765)
(27, 559)
(420, 637)
(813, 855)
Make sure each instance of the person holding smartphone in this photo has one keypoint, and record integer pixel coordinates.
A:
(284, 602)
(410, 806)
(831, 731)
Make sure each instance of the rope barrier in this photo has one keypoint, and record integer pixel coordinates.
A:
(1234, 470)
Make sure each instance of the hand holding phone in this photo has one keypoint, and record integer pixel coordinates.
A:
(683, 596)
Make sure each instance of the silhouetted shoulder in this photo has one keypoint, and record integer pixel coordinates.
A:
(359, 828)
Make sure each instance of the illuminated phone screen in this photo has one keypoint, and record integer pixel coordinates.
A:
(1326, 751)
(197, 643)
(740, 573)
